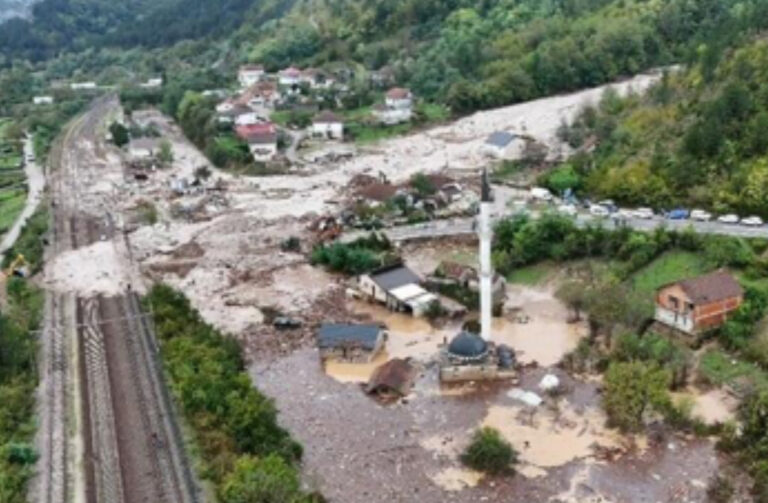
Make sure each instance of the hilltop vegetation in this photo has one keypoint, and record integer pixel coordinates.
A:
(698, 138)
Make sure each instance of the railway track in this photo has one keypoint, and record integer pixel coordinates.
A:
(100, 360)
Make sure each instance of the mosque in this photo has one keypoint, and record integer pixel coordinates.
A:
(469, 356)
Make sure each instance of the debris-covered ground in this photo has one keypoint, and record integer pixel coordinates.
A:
(221, 243)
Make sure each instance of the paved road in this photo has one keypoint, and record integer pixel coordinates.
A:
(463, 226)
(36, 184)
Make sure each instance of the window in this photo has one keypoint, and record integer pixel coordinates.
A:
(674, 302)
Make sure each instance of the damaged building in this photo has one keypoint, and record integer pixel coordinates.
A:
(356, 343)
(397, 287)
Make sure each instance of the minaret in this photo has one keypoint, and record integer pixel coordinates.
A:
(486, 269)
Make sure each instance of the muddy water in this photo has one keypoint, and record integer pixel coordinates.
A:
(547, 336)
(409, 337)
(548, 439)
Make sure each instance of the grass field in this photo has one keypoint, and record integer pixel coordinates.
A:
(11, 204)
(671, 266)
(533, 274)
(721, 368)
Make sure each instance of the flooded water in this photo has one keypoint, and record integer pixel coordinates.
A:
(546, 439)
(354, 372)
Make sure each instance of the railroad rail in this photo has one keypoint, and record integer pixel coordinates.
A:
(100, 359)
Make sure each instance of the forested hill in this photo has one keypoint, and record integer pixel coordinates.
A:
(698, 139)
(59, 26)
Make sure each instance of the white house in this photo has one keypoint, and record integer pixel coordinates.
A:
(247, 118)
(291, 76)
(232, 114)
(153, 83)
(225, 106)
(398, 288)
(248, 75)
(390, 116)
(42, 100)
(399, 98)
(502, 145)
(328, 125)
(76, 86)
(261, 139)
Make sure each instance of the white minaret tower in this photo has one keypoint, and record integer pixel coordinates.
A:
(486, 268)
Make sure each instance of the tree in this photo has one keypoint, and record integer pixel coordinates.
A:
(119, 134)
(488, 452)
(631, 390)
(165, 155)
(267, 480)
(574, 294)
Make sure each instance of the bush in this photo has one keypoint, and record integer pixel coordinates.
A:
(631, 390)
(488, 452)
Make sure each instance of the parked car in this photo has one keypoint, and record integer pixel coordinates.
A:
(678, 214)
(728, 219)
(568, 210)
(609, 205)
(701, 215)
(752, 221)
(598, 210)
(644, 213)
(285, 323)
(541, 194)
(625, 214)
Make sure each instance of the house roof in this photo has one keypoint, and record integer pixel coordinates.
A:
(257, 133)
(333, 335)
(377, 191)
(713, 287)
(236, 111)
(394, 276)
(500, 139)
(291, 71)
(326, 117)
(395, 376)
(398, 93)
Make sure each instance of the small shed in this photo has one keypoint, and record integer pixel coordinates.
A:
(499, 144)
(328, 125)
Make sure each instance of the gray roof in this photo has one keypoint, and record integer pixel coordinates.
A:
(468, 345)
(500, 139)
(333, 335)
(394, 276)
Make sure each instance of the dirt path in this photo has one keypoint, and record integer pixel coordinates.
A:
(36, 184)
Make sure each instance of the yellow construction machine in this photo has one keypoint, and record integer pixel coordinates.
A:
(19, 267)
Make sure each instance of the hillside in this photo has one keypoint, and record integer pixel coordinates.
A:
(698, 138)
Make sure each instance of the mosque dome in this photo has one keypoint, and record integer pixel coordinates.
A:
(469, 346)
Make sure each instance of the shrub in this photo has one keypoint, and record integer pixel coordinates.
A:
(633, 389)
(488, 452)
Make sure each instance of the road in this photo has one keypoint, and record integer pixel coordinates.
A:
(108, 427)
(464, 226)
(36, 185)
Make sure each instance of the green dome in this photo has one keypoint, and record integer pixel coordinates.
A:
(468, 345)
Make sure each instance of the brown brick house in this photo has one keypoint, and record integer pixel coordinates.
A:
(696, 305)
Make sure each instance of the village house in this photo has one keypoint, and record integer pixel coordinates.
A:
(316, 79)
(42, 100)
(261, 139)
(248, 75)
(399, 98)
(152, 83)
(231, 114)
(262, 94)
(382, 77)
(289, 77)
(397, 287)
(328, 125)
(248, 117)
(697, 305)
(502, 145)
(142, 149)
(355, 343)
(392, 379)
(81, 86)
